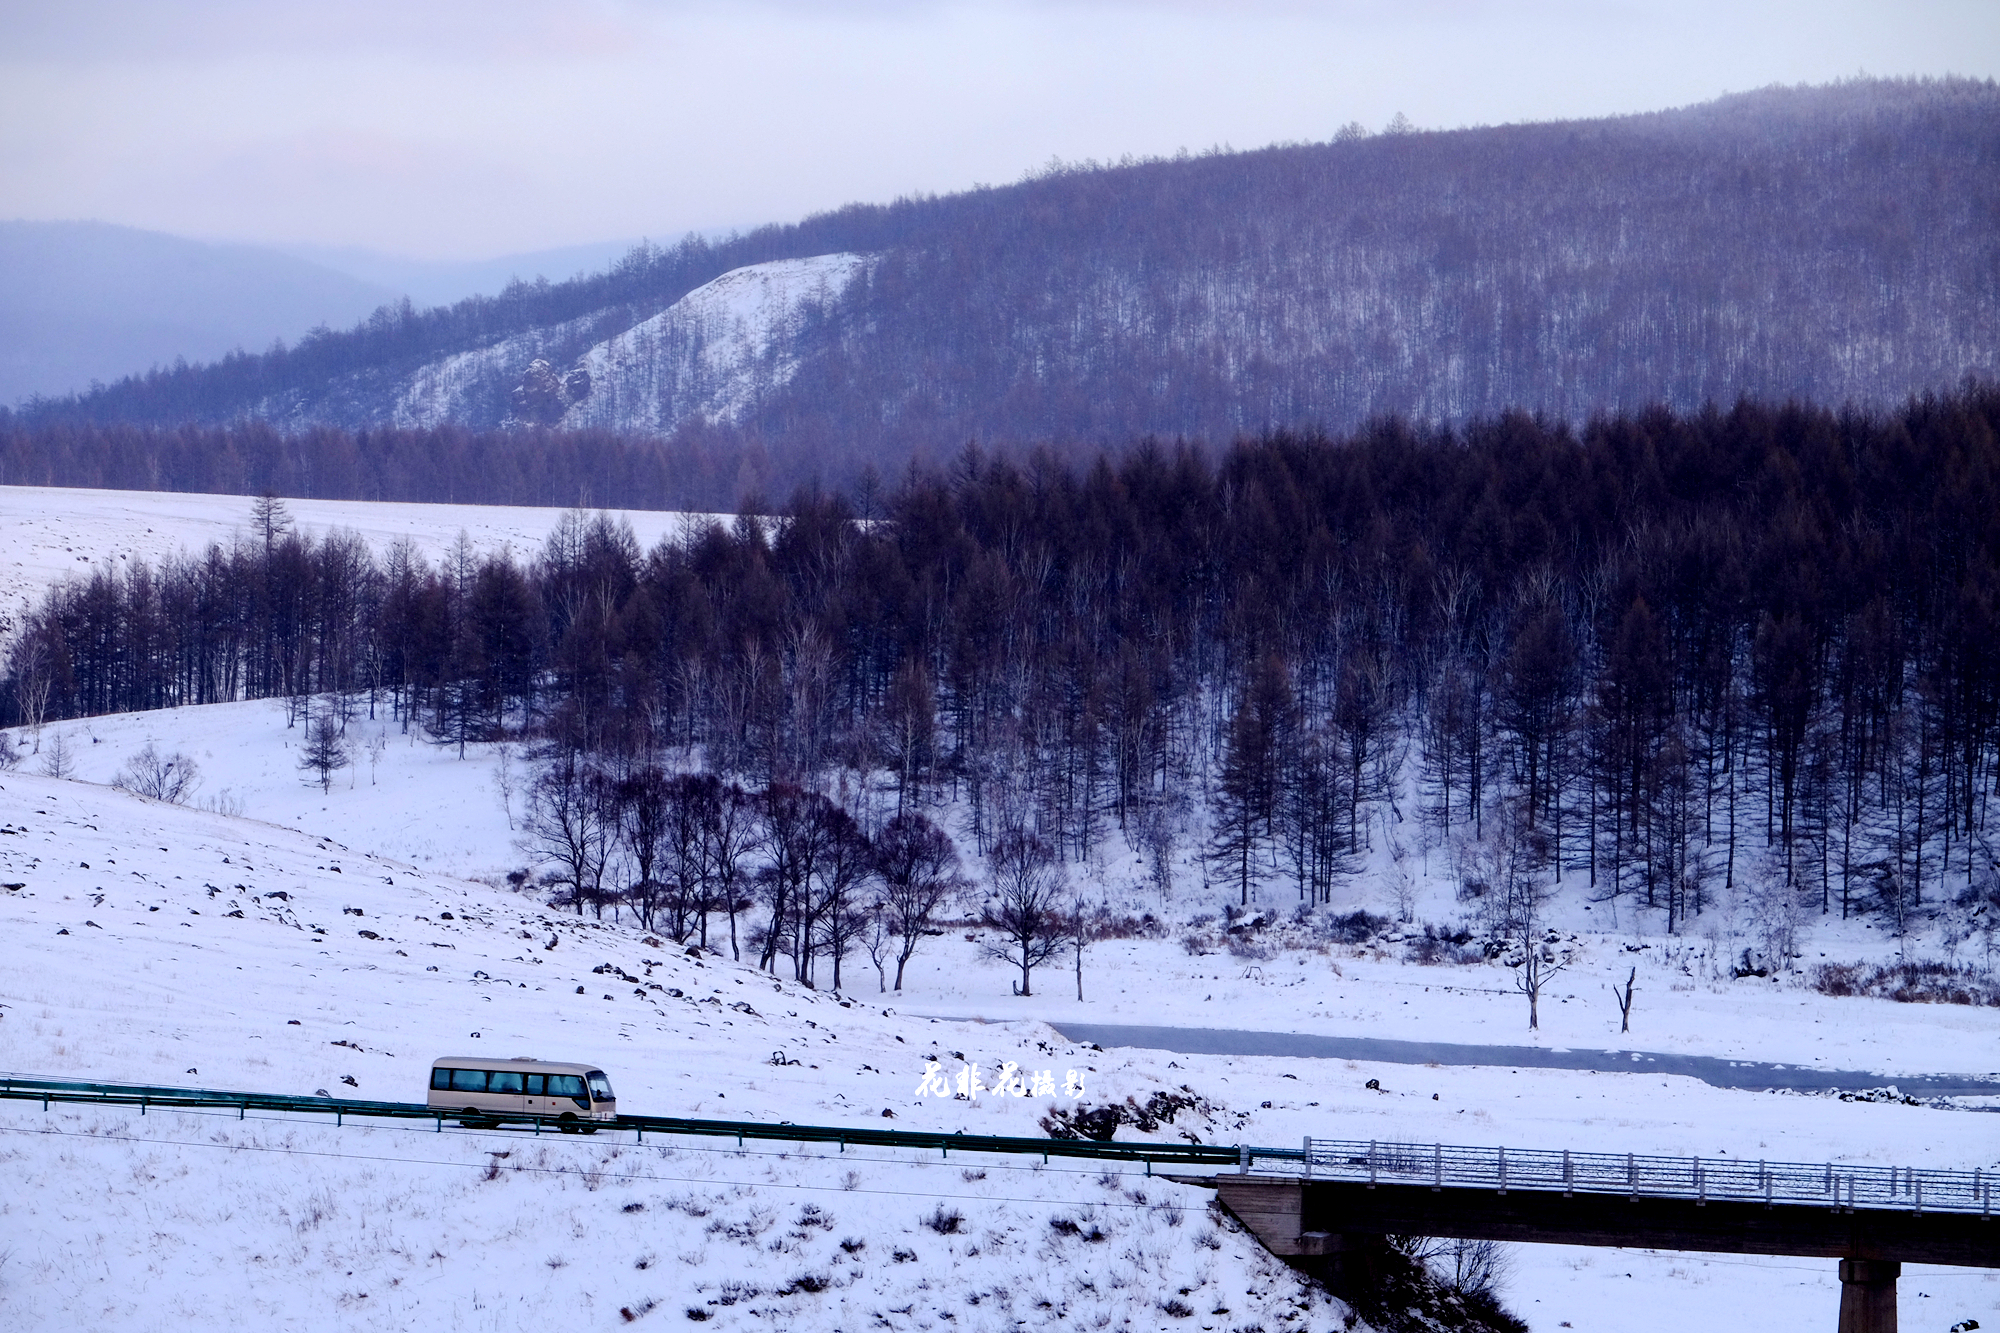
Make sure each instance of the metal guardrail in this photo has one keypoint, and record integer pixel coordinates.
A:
(1634, 1175)
(1438, 1165)
(145, 1096)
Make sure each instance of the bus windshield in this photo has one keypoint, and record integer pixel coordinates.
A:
(600, 1086)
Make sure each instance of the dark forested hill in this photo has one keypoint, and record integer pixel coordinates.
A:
(1838, 244)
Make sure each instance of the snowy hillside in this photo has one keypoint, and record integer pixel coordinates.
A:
(473, 808)
(474, 385)
(156, 979)
(217, 952)
(715, 352)
(709, 356)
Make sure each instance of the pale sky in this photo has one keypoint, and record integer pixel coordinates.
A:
(461, 129)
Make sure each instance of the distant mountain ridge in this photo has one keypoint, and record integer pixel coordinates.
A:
(83, 301)
(1832, 243)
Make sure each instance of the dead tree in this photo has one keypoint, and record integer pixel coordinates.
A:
(918, 869)
(1027, 904)
(1537, 964)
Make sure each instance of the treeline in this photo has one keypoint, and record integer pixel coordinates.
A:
(1650, 661)
(444, 465)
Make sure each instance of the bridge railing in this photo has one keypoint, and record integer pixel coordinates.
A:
(1637, 1175)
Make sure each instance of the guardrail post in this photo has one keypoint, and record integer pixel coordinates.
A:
(1503, 1170)
(1632, 1175)
(1307, 1149)
(1243, 1159)
(1437, 1168)
(1700, 1185)
(1371, 1164)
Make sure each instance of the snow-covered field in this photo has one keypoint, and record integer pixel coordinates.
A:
(50, 531)
(127, 960)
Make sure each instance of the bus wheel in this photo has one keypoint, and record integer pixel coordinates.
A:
(471, 1119)
(588, 1129)
(567, 1124)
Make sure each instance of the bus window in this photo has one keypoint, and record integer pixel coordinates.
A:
(468, 1080)
(535, 1084)
(600, 1086)
(440, 1079)
(504, 1080)
(567, 1085)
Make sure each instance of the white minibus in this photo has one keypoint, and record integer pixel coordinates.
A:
(486, 1091)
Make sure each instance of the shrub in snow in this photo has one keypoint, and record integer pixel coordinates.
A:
(171, 778)
(1908, 982)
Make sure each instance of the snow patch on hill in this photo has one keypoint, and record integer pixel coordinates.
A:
(474, 385)
(714, 353)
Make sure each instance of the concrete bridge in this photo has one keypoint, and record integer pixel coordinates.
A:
(1327, 1209)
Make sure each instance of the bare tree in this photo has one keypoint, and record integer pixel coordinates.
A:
(325, 750)
(1624, 999)
(845, 865)
(1027, 903)
(571, 821)
(646, 811)
(503, 777)
(1532, 971)
(909, 727)
(793, 835)
(57, 761)
(271, 519)
(728, 831)
(918, 867)
(170, 778)
(1469, 1266)
(1081, 927)
(34, 679)
(878, 940)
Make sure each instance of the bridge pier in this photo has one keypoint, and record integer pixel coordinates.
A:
(1868, 1295)
(1347, 1262)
